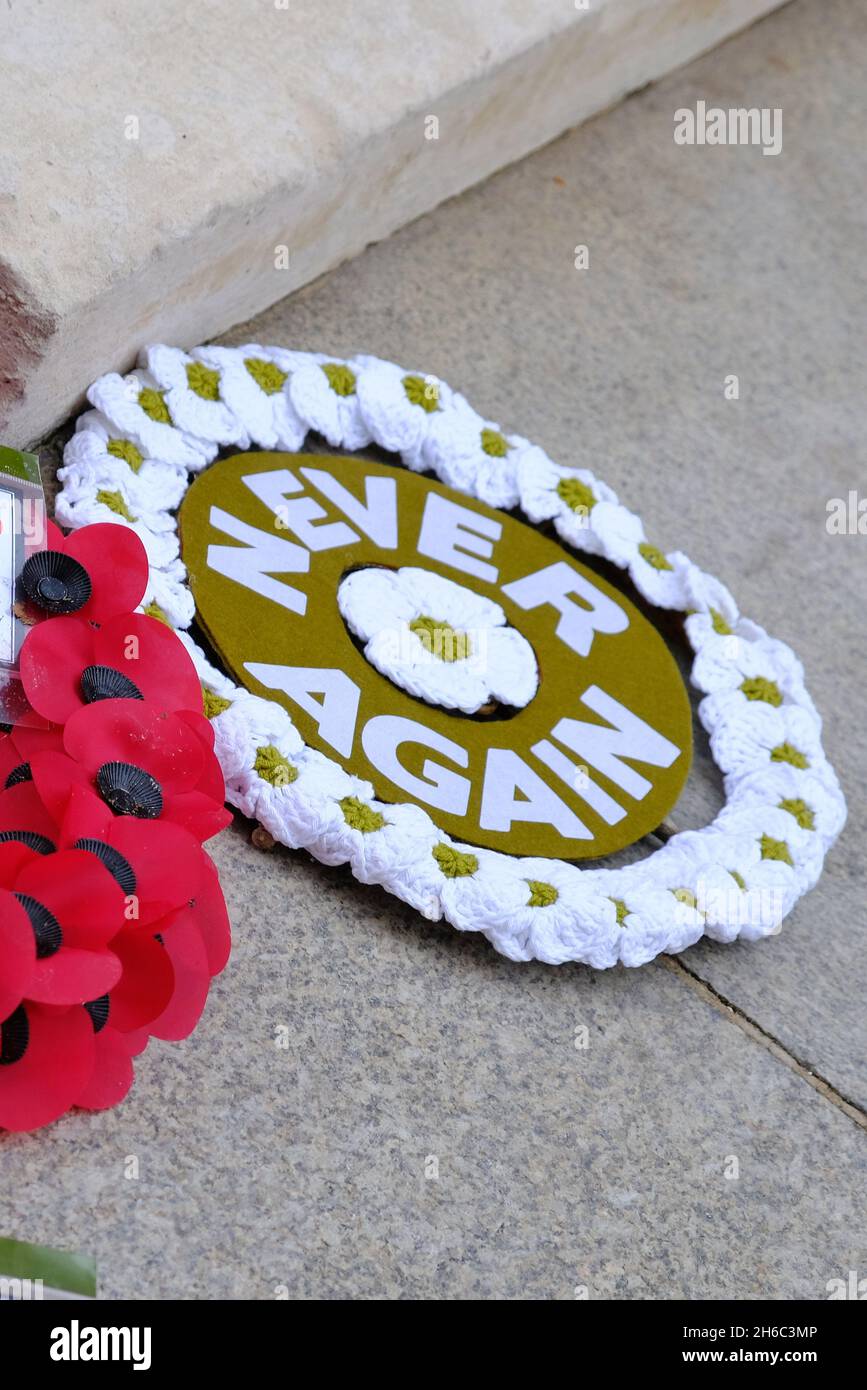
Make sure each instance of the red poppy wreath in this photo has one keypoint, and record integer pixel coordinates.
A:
(112, 920)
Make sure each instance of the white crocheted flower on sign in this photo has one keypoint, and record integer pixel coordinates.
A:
(571, 498)
(100, 463)
(403, 409)
(254, 385)
(323, 393)
(136, 407)
(438, 640)
(193, 395)
(473, 455)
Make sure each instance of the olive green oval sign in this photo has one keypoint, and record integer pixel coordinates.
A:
(596, 748)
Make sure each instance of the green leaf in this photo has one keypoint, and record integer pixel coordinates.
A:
(58, 1269)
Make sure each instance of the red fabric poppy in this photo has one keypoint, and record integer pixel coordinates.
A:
(22, 809)
(75, 908)
(112, 921)
(17, 953)
(112, 1074)
(139, 734)
(162, 863)
(56, 1059)
(212, 782)
(184, 947)
(198, 813)
(116, 564)
(146, 982)
(16, 748)
(56, 778)
(59, 779)
(136, 647)
(15, 855)
(54, 537)
(212, 918)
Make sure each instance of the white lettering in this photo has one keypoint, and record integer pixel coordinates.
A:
(603, 747)
(262, 555)
(445, 525)
(376, 516)
(299, 515)
(506, 773)
(335, 713)
(438, 786)
(554, 584)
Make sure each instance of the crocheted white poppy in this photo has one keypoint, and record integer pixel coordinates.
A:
(437, 639)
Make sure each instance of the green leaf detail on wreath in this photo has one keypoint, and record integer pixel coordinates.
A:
(359, 816)
(272, 766)
(341, 378)
(684, 895)
(719, 624)
(788, 753)
(422, 392)
(203, 381)
(775, 849)
(153, 403)
(441, 639)
(159, 615)
(577, 495)
(212, 703)
(654, 556)
(267, 375)
(125, 450)
(541, 894)
(453, 863)
(760, 688)
(494, 444)
(800, 810)
(115, 503)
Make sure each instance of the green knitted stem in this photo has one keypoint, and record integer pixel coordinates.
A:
(125, 449)
(341, 378)
(453, 863)
(153, 403)
(421, 392)
(267, 375)
(739, 880)
(541, 894)
(441, 639)
(760, 688)
(273, 767)
(203, 381)
(359, 816)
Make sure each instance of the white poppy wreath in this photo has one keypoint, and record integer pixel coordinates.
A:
(129, 462)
